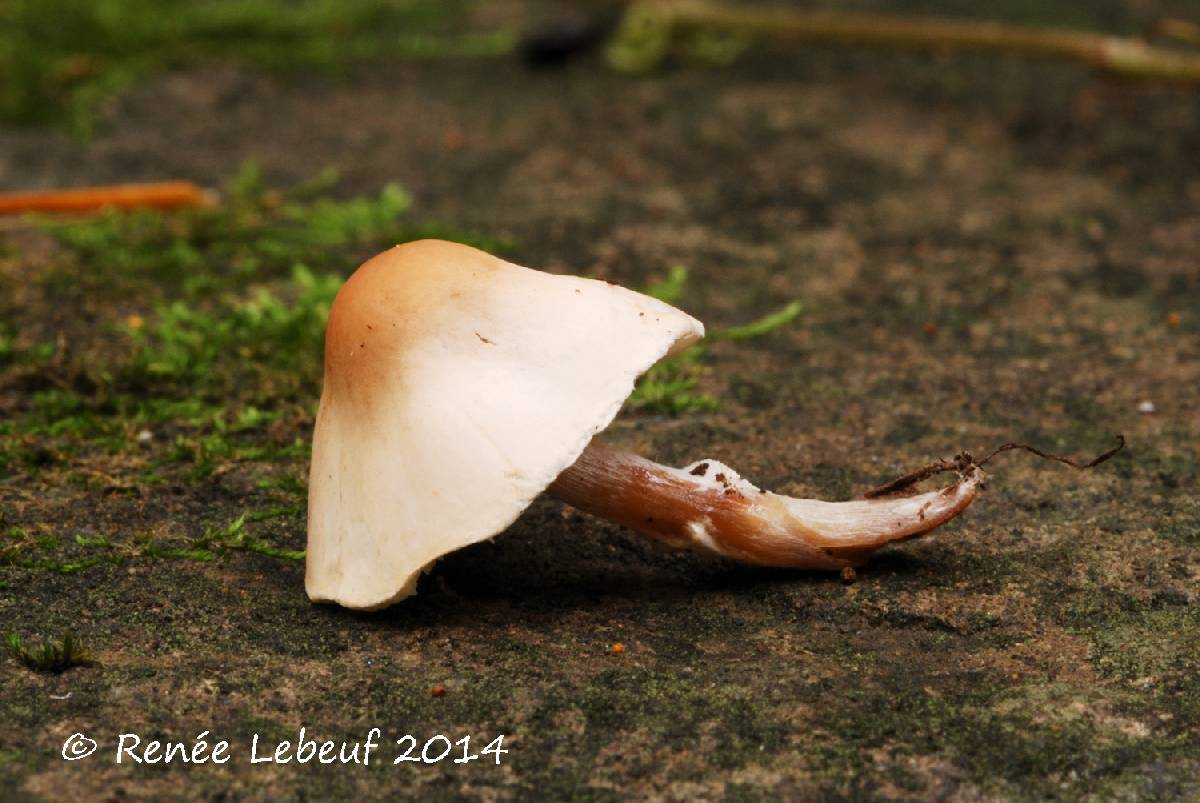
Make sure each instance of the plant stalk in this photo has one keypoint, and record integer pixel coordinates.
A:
(1130, 58)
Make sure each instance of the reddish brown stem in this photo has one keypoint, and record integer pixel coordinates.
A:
(707, 507)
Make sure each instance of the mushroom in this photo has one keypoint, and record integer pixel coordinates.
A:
(458, 387)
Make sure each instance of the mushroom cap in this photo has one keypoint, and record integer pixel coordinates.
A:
(457, 387)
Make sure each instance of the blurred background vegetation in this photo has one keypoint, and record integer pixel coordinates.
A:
(60, 58)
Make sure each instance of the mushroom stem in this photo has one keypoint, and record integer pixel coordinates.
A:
(707, 507)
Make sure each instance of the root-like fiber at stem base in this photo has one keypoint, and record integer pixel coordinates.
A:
(963, 461)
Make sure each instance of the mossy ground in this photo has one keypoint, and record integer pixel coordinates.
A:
(984, 250)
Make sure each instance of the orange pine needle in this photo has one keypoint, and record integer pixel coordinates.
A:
(161, 195)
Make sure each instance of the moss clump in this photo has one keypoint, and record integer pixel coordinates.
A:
(51, 656)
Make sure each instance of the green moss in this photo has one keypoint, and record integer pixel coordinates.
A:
(47, 552)
(235, 536)
(152, 550)
(246, 341)
(14, 354)
(670, 387)
(226, 347)
(670, 288)
(286, 484)
(51, 656)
